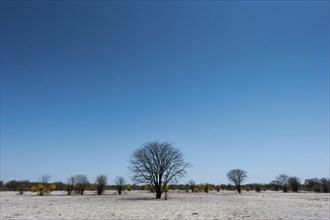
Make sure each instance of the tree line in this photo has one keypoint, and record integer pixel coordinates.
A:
(157, 167)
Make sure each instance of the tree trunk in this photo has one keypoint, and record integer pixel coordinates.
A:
(158, 194)
(239, 188)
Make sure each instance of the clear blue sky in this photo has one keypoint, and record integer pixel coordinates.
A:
(241, 84)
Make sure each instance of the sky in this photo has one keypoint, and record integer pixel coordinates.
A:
(232, 84)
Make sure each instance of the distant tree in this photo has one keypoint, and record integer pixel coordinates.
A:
(120, 183)
(325, 184)
(275, 184)
(192, 185)
(2, 184)
(44, 178)
(71, 183)
(81, 183)
(294, 183)
(237, 176)
(12, 185)
(157, 164)
(312, 185)
(101, 182)
(283, 179)
(218, 188)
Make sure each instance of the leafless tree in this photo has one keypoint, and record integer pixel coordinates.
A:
(192, 185)
(45, 178)
(101, 182)
(120, 183)
(157, 164)
(81, 183)
(237, 176)
(71, 184)
(283, 179)
(294, 183)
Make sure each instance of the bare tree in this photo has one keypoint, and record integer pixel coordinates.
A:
(45, 178)
(120, 183)
(237, 176)
(81, 183)
(157, 164)
(101, 182)
(71, 184)
(192, 185)
(283, 179)
(294, 183)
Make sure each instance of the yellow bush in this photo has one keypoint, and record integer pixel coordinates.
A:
(129, 187)
(165, 188)
(42, 189)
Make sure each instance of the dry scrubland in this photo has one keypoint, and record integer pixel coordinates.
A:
(142, 205)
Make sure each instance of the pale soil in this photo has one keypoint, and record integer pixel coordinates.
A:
(141, 205)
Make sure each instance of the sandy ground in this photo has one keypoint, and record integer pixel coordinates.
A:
(141, 205)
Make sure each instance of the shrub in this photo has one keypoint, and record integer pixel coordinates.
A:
(129, 187)
(41, 189)
(196, 189)
(165, 189)
(257, 187)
